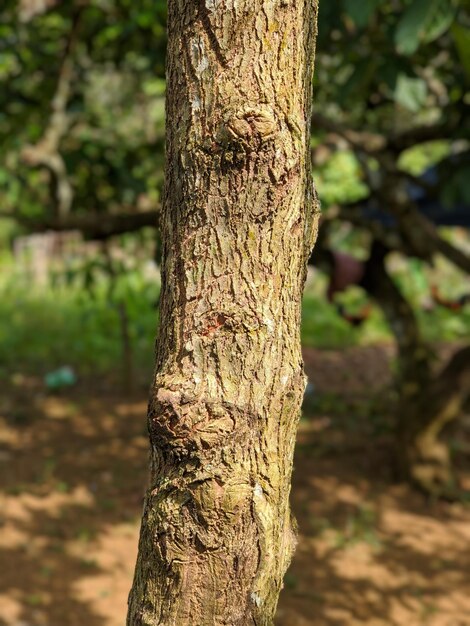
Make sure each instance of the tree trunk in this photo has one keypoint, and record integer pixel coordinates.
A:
(426, 403)
(426, 457)
(414, 356)
(239, 220)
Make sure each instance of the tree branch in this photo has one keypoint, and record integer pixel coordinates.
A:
(46, 153)
(376, 143)
(371, 143)
(421, 134)
(95, 226)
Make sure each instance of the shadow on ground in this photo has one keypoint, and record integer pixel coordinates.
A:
(370, 551)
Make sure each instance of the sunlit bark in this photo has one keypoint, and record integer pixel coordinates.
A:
(238, 224)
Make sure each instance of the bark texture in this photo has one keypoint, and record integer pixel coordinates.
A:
(238, 224)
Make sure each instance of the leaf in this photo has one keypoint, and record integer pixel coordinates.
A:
(461, 37)
(456, 190)
(423, 22)
(439, 21)
(360, 12)
(410, 92)
(411, 26)
(358, 82)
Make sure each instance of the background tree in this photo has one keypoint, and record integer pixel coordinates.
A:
(82, 122)
(400, 89)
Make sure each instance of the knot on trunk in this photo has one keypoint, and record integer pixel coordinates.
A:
(251, 125)
(188, 426)
(247, 130)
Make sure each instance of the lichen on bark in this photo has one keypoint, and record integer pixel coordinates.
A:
(239, 221)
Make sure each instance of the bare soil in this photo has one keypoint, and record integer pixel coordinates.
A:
(371, 551)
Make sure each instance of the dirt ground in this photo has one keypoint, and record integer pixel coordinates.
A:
(371, 551)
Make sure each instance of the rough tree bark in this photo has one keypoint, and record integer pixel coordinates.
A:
(238, 224)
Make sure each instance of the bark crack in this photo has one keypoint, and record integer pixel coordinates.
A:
(206, 23)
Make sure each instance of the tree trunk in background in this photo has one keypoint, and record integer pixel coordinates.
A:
(239, 220)
(426, 402)
(427, 458)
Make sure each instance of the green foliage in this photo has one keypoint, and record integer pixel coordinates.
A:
(339, 179)
(412, 26)
(382, 56)
(112, 147)
(439, 324)
(462, 42)
(383, 65)
(360, 12)
(418, 159)
(423, 21)
(375, 49)
(410, 92)
(322, 327)
(385, 69)
(42, 330)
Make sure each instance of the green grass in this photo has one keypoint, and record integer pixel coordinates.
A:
(42, 329)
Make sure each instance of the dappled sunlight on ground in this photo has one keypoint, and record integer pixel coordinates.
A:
(370, 551)
(74, 478)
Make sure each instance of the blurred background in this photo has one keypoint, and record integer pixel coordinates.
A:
(382, 471)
